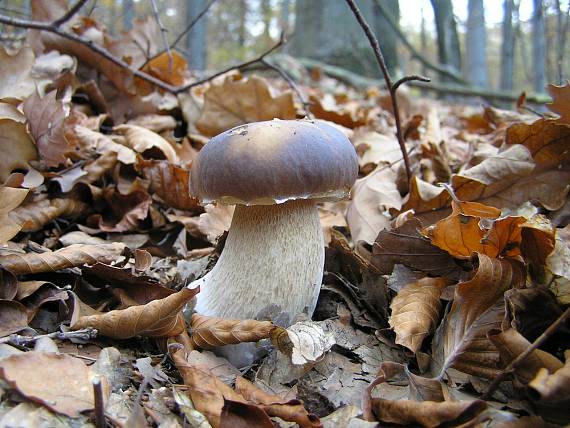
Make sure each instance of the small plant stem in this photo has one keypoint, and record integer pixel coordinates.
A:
(99, 403)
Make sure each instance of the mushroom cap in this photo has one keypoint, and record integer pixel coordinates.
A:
(271, 162)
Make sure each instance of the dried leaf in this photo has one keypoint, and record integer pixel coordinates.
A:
(235, 102)
(154, 122)
(125, 211)
(211, 332)
(215, 221)
(274, 405)
(170, 183)
(538, 239)
(16, 145)
(511, 344)
(560, 101)
(372, 198)
(552, 386)
(72, 256)
(415, 311)
(170, 67)
(476, 228)
(141, 139)
(103, 144)
(558, 262)
(351, 115)
(70, 394)
(13, 317)
(236, 414)
(404, 245)
(159, 318)
(46, 119)
(10, 198)
(478, 307)
(35, 215)
(309, 342)
(426, 413)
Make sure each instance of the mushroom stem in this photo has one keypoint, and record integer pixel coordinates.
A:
(274, 254)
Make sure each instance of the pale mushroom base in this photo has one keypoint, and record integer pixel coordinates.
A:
(274, 255)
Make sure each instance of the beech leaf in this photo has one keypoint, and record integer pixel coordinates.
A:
(35, 215)
(141, 139)
(10, 198)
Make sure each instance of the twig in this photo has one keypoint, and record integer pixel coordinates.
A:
(192, 23)
(163, 32)
(18, 340)
(522, 356)
(99, 403)
(69, 14)
(413, 77)
(380, 59)
(306, 104)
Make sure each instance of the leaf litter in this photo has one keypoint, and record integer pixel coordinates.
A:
(429, 294)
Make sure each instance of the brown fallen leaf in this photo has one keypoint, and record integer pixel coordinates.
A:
(8, 284)
(142, 140)
(170, 182)
(274, 405)
(236, 414)
(235, 102)
(72, 256)
(538, 239)
(476, 228)
(428, 201)
(124, 213)
(101, 143)
(415, 311)
(478, 307)
(16, 144)
(69, 395)
(511, 344)
(158, 318)
(405, 245)
(15, 81)
(46, 122)
(426, 413)
(211, 332)
(10, 198)
(154, 122)
(215, 221)
(350, 115)
(560, 101)
(34, 215)
(13, 317)
(170, 67)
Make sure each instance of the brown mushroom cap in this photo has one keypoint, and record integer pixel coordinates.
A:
(275, 161)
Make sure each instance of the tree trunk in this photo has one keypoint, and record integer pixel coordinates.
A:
(447, 39)
(507, 46)
(538, 47)
(242, 22)
(386, 35)
(196, 39)
(128, 14)
(561, 31)
(476, 44)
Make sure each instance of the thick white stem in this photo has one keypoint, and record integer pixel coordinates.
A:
(274, 254)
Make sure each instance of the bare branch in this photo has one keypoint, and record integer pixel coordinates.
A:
(192, 23)
(380, 59)
(413, 77)
(163, 32)
(69, 14)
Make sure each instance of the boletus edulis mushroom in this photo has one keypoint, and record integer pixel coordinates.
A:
(275, 172)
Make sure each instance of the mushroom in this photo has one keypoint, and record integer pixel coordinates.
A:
(275, 172)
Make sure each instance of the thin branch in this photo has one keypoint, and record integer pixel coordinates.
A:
(380, 59)
(306, 104)
(415, 54)
(163, 32)
(412, 78)
(18, 340)
(524, 355)
(69, 14)
(192, 23)
(99, 403)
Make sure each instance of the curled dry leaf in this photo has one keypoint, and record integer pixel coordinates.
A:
(154, 122)
(511, 344)
(125, 211)
(235, 102)
(558, 262)
(15, 81)
(211, 332)
(13, 317)
(158, 318)
(415, 311)
(215, 221)
(36, 214)
(429, 202)
(141, 139)
(170, 183)
(170, 67)
(476, 228)
(478, 307)
(8, 284)
(538, 239)
(274, 405)
(309, 342)
(38, 377)
(46, 122)
(560, 101)
(10, 198)
(72, 256)
(426, 413)
(350, 115)
(16, 144)
(101, 143)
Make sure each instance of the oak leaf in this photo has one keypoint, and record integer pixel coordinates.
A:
(415, 311)
(158, 318)
(38, 376)
(560, 101)
(478, 306)
(211, 332)
(235, 102)
(72, 256)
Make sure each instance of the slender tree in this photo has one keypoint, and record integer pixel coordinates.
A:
(128, 14)
(476, 44)
(538, 47)
(448, 49)
(386, 36)
(507, 45)
(196, 39)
